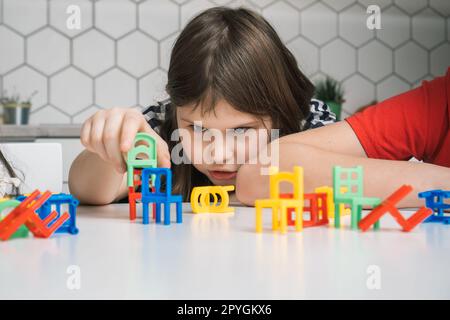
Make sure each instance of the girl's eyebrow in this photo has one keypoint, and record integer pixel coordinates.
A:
(247, 124)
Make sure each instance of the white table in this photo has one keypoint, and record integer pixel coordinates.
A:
(221, 257)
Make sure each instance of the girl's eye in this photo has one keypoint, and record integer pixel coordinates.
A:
(198, 128)
(240, 130)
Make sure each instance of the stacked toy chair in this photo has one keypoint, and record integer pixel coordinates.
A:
(280, 205)
(142, 172)
(142, 155)
(159, 197)
(36, 214)
(56, 201)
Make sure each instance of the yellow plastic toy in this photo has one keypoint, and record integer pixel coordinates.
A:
(279, 205)
(201, 199)
(343, 211)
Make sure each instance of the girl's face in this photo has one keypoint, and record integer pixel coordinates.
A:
(219, 142)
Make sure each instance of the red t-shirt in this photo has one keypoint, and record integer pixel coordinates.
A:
(413, 124)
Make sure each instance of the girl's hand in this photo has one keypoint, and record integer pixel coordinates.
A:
(110, 134)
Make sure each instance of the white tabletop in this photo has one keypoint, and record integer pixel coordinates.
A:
(221, 257)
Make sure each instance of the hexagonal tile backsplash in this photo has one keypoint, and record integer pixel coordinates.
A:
(120, 54)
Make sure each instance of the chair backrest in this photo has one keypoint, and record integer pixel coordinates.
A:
(148, 148)
(155, 174)
(295, 178)
(348, 179)
(40, 165)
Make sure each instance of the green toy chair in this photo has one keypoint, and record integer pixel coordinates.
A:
(133, 160)
(352, 180)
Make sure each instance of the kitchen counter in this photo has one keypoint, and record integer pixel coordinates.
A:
(32, 132)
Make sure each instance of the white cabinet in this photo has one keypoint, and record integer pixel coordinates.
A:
(71, 147)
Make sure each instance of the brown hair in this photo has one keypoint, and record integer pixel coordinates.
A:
(235, 55)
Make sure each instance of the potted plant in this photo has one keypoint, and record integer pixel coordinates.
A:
(15, 110)
(331, 92)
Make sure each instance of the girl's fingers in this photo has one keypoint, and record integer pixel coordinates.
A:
(130, 127)
(96, 136)
(162, 150)
(111, 135)
(133, 123)
(85, 134)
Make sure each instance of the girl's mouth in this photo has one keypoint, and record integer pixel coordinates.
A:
(222, 175)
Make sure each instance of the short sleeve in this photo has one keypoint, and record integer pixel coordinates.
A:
(412, 124)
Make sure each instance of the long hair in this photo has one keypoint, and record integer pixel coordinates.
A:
(235, 55)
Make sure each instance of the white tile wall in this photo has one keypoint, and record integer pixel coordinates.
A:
(375, 51)
(120, 54)
(48, 51)
(71, 89)
(13, 53)
(137, 53)
(93, 52)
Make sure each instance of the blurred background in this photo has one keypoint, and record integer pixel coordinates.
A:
(54, 77)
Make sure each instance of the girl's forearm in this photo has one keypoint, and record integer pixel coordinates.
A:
(94, 181)
(381, 177)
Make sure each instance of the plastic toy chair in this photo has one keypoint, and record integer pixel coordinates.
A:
(58, 200)
(158, 197)
(281, 205)
(389, 205)
(318, 209)
(22, 231)
(25, 213)
(134, 196)
(352, 180)
(434, 199)
(201, 202)
(144, 144)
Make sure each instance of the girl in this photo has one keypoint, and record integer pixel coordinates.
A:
(230, 70)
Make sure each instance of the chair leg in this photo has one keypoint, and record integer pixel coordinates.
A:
(166, 213)
(179, 213)
(275, 218)
(158, 212)
(354, 216)
(376, 225)
(132, 208)
(283, 218)
(337, 215)
(154, 210)
(258, 218)
(145, 212)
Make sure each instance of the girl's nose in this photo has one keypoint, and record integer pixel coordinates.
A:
(222, 151)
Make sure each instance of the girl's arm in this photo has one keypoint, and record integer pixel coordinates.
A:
(97, 176)
(318, 150)
(95, 181)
